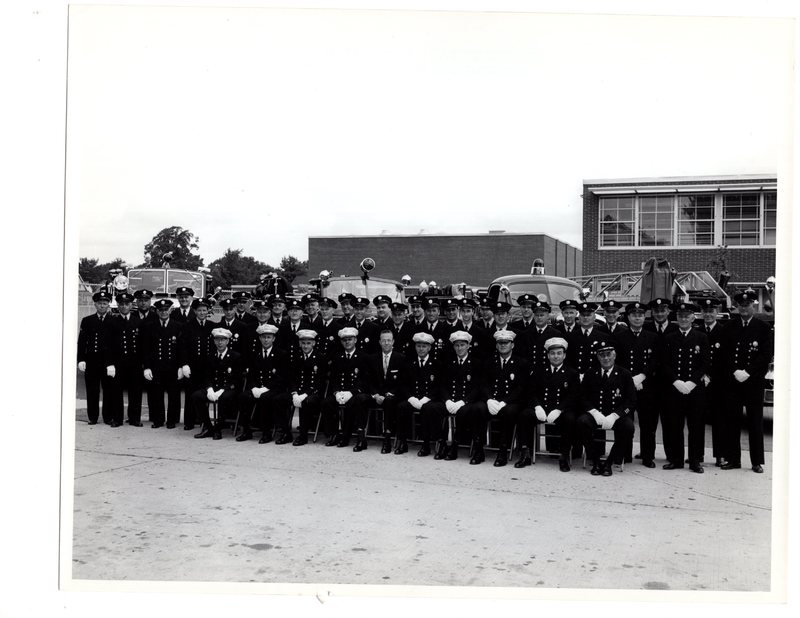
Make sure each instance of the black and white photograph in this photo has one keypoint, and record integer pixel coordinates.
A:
(481, 302)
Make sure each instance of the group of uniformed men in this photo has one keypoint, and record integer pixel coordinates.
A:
(454, 375)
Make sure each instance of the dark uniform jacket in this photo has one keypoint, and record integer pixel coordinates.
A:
(716, 360)
(615, 394)
(348, 374)
(271, 371)
(94, 339)
(531, 346)
(555, 390)
(126, 345)
(246, 317)
(619, 328)
(225, 373)
(394, 382)
(580, 354)
(287, 340)
(440, 335)
(177, 315)
(309, 375)
(562, 328)
(328, 342)
(163, 347)
(427, 381)
(685, 357)
(464, 381)
(482, 344)
(749, 348)
(146, 319)
(639, 353)
(403, 341)
(198, 344)
(519, 326)
(368, 334)
(276, 322)
(510, 383)
(240, 341)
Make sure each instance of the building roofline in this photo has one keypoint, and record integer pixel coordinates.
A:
(772, 177)
(494, 235)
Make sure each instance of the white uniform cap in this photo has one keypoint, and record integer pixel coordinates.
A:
(306, 333)
(267, 329)
(555, 342)
(423, 338)
(504, 335)
(348, 331)
(460, 335)
(221, 332)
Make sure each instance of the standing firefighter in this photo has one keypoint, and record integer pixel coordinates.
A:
(94, 358)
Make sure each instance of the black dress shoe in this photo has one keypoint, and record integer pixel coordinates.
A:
(452, 452)
(758, 469)
(441, 447)
(524, 458)
(134, 424)
(501, 459)
(93, 422)
(637, 456)
(424, 450)
(386, 447)
(217, 434)
(115, 424)
(671, 466)
(333, 440)
(478, 456)
(648, 463)
(156, 425)
(343, 442)
(300, 440)
(265, 437)
(730, 465)
(170, 425)
(188, 427)
(285, 438)
(607, 471)
(402, 447)
(361, 445)
(563, 465)
(696, 467)
(718, 463)
(206, 433)
(245, 435)
(597, 469)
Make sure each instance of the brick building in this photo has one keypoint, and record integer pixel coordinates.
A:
(475, 259)
(697, 223)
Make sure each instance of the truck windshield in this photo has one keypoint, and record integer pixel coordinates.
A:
(368, 290)
(163, 280)
(550, 292)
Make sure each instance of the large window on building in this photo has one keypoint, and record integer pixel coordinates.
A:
(695, 220)
(770, 218)
(741, 218)
(656, 220)
(617, 222)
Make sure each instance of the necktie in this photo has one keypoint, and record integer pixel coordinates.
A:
(186, 314)
(541, 331)
(605, 377)
(708, 329)
(421, 364)
(163, 324)
(502, 364)
(385, 364)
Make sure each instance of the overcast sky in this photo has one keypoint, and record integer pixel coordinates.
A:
(256, 128)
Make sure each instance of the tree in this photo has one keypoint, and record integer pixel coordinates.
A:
(177, 241)
(292, 268)
(233, 268)
(92, 271)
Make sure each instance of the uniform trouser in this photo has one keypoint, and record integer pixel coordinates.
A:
(471, 422)
(226, 406)
(272, 409)
(684, 410)
(164, 382)
(565, 425)
(429, 413)
(188, 386)
(129, 378)
(714, 407)
(506, 418)
(623, 437)
(96, 378)
(355, 408)
(389, 407)
(647, 411)
(751, 397)
(309, 409)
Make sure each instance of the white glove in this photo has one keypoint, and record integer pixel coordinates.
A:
(460, 404)
(218, 393)
(180, 373)
(415, 402)
(637, 381)
(451, 406)
(598, 418)
(148, 375)
(296, 401)
(187, 371)
(258, 391)
(541, 414)
(379, 399)
(609, 420)
(111, 371)
(346, 396)
(554, 414)
(494, 406)
(690, 386)
(741, 375)
(706, 380)
(580, 377)
(424, 400)
(680, 385)
(82, 366)
(303, 397)
(210, 394)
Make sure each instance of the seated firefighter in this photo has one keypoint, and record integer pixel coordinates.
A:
(609, 398)
(307, 383)
(224, 373)
(265, 397)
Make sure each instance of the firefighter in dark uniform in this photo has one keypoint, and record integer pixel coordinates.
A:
(582, 356)
(383, 306)
(608, 400)
(126, 355)
(307, 379)
(266, 398)
(241, 299)
(311, 307)
(611, 309)
(417, 312)
(347, 388)
(481, 344)
(748, 348)
(95, 359)
(147, 314)
(277, 306)
(435, 328)
(525, 302)
(554, 397)
(685, 362)
(346, 303)
(198, 345)
(502, 315)
(162, 368)
(506, 377)
(224, 374)
(487, 315)
(368, 331)
(183, 313)
(535, 338)
(287, 331)
(466, 398)
(425, 393)
(715, 379)
(240, 331)
(403, 330)
(261, 310)
(659, 309)
(327, 341)
(639, 351)
(386, 386)
(451, 322)
(569, 311)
